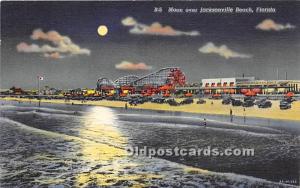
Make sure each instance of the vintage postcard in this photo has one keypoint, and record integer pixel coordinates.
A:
(150, 94)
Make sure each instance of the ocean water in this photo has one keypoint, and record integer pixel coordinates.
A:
(85, 146)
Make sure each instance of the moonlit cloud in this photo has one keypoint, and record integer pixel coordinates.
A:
(61, 46)
(26, 48)
(223, 51)
(126, 65)
(154, 29)
(268, 25)
(129, 21)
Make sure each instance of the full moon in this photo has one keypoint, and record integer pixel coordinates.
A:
(102, 30)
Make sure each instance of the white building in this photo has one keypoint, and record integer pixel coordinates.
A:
(225, 82)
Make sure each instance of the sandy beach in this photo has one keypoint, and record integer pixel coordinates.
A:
(216, 108)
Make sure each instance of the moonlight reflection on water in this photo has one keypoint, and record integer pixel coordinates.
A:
(100, 124)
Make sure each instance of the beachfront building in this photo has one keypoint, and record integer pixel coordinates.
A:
(272, 86)
(223, 85)
(243, 85)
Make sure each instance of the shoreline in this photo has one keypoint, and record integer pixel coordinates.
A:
(217, 108)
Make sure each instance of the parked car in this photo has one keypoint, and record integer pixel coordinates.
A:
(187, 101)
(201, 101)
(172, 102)
(265, 104)
(136, 100)
(226, 101)
(235, 102)
(133, 102)
(110, 98)
(248, 98)
(285, 105)
(147, 98)
(158, 100)
(124, 99)
(257, 102)
(248, 103)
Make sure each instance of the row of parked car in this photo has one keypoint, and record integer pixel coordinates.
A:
(172, 102)
(262, 103)
(159, 100)
(248, 102)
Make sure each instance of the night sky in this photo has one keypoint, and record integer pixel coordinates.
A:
(202, 45)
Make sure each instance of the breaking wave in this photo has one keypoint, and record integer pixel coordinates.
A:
(41, 109)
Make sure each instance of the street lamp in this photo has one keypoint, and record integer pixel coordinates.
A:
(39, 78)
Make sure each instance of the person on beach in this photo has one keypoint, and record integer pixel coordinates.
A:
(126, 107)
(204, 123)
